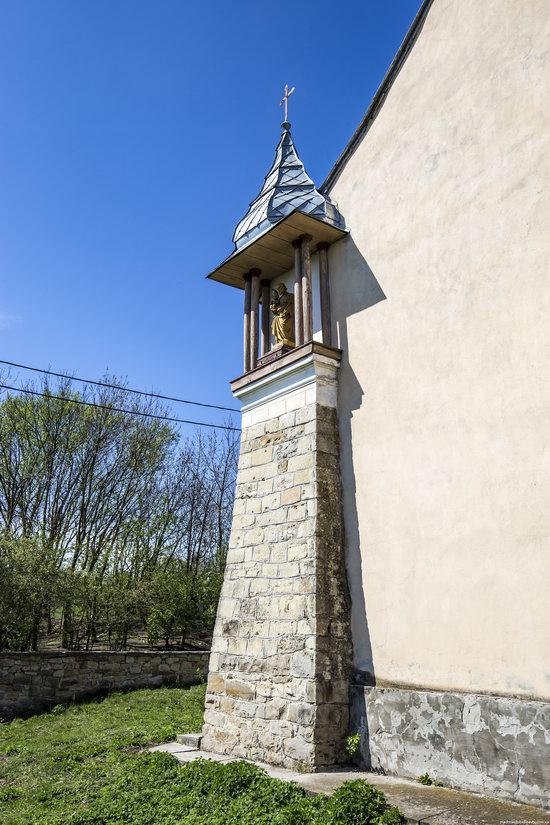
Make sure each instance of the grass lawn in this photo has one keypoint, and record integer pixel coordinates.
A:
(85, 765)
(59, 762)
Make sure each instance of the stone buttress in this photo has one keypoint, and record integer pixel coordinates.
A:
(278, 684)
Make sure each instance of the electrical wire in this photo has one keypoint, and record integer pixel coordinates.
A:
(119, 387)
(119, 409)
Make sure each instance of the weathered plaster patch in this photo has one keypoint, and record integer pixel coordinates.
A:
(472, 742)
(471, 715)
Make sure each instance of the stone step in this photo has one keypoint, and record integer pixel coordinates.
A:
(192, 740)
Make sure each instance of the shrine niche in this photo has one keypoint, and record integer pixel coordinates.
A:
(279, 672)
(287, 223)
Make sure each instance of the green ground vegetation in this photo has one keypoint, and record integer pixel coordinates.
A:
(88, 765)
(57, 764)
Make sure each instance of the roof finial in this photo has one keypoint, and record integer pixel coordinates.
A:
(284, 101)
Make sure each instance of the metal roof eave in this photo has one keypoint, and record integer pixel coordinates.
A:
(272, 251)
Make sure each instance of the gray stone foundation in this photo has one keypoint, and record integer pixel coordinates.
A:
(278, 685)
(488, 744)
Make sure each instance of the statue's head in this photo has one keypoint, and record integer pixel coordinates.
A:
(281, 289)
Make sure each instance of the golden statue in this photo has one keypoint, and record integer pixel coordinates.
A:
(282, 307)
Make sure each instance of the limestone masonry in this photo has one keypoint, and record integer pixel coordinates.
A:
(35, 682)
(278, 685)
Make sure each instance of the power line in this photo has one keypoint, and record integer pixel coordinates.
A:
(118, 409)
(119, 387)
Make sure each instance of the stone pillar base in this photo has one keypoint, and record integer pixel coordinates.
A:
(278, 684)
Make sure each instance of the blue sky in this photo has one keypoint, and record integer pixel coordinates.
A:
(133, 135)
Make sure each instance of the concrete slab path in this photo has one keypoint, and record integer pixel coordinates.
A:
(420, 804)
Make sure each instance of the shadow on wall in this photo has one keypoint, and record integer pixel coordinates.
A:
(354, 288)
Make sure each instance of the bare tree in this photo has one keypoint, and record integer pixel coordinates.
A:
(108, 494)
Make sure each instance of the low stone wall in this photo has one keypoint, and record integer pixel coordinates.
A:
(35, 682)
(489, 744)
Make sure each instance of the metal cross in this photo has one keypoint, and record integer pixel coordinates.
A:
(285, 100)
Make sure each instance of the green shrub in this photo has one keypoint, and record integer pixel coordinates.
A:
(7, 794)
(352, 744)
(357, 802)
(154, 790)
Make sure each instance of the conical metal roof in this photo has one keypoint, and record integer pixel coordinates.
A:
(287, 188)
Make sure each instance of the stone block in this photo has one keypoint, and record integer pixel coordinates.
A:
(271, 502)
(244, 461)
(251, 537)
(241, 521)
(246, 490)
(298, 512)
(246, 710)
(285, 450)
(261, 553)
(291, 495)
(301, 462)
(214, 718)
(306, 414)
(302, 713)
(302, 663)
(288, 420)
(264, 487)
(306, 476)
(299, 750)
(279, 552)
(288, 570)
(227, 705)
(291, 607)
(254, 647)
(298, 552)
(283, 480)
(249, 434)
(275, 708)
(239, 506)
(272, 517)
(291, 644)
(261, 456)
(281, 729)
(236, 646)
(239, 690)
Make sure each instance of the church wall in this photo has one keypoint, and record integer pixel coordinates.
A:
(441, 304)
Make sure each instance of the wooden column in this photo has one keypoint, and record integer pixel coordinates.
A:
(298, 307)
(246, 337)
(324, 290)
(254, 317)
(264, 283)
(307, 306)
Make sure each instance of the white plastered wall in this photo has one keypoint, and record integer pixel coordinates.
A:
(441, 301)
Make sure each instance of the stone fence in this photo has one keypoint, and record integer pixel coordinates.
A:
(34, 682)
